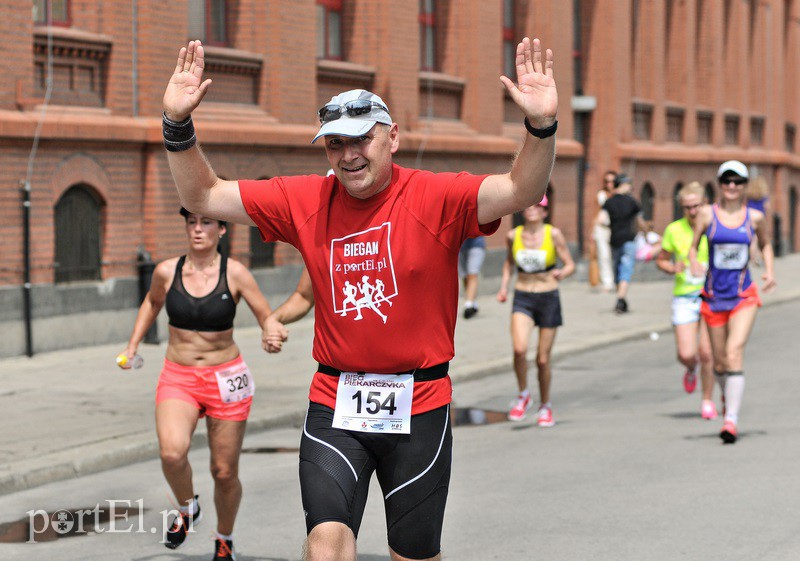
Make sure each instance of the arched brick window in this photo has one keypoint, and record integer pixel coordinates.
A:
(648, 199)
(78, 218)
(677, 211)
(262, 254)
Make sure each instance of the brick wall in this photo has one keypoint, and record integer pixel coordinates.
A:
(683, 58)
(16, 53)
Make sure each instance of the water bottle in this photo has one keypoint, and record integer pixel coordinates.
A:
(136, 362)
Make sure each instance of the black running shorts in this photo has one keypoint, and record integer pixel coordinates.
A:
(413, 471)
(544, 308)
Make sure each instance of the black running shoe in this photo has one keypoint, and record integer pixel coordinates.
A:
(470, 312)
(223, 550)
(176, 534)
(622, 306)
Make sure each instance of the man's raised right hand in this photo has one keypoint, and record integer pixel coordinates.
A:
(186, 88)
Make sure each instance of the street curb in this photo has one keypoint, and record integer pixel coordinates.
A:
(505, 365)
(117, 452)
(139, 447)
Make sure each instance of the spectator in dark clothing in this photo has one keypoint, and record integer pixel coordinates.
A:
(623, 214)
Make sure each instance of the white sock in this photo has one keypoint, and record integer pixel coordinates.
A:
(524, 393)
(228, 537)
(734, 390)
(547, 405)
(190, 509)
(470, 304)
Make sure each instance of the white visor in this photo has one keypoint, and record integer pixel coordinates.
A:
(356, 125)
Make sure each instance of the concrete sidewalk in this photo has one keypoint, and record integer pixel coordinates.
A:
(72, 413)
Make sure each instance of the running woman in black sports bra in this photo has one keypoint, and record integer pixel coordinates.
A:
(203, 374)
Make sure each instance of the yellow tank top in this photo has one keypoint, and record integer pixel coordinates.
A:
(534, 260)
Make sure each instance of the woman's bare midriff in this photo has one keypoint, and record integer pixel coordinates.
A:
(201, 348)
(536, 282)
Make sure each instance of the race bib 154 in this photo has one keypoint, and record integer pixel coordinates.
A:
(379, 403)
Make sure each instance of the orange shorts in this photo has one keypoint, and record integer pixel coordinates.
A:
(749, 297)
(199, 386)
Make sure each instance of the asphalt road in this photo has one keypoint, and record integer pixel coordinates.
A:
(630, 472)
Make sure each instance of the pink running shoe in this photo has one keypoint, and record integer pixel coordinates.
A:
(520, 408)
(728, 433)
(545, 417)
(689, 380)
(708, 410)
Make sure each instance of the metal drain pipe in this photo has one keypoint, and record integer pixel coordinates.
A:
(26, 259)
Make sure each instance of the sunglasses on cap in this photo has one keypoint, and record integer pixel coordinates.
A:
(734, 180)
(353, 108)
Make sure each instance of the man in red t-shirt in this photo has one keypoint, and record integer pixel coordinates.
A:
(381, 246)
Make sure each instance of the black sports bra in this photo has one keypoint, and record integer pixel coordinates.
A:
(213, 312)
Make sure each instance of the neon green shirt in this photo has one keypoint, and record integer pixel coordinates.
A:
(677, 240)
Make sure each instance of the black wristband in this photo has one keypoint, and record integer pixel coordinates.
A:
(541, 133)
(178, 136)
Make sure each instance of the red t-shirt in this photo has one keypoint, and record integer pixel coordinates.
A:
(384, 269)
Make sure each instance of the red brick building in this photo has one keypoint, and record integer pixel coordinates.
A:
(663, 90)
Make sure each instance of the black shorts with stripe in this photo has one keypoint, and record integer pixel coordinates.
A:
(413, 471)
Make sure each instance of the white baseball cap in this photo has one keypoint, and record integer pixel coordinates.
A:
(352, 113)
(733, 166)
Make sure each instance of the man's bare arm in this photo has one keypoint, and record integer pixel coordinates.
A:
(535, 94)
(199, 188)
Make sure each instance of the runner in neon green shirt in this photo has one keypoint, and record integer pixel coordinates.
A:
(691, 334)
(676, 241)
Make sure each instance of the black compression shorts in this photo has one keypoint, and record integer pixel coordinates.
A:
(544, 308)
(413, 471)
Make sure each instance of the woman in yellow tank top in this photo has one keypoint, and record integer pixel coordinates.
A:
(533, 249)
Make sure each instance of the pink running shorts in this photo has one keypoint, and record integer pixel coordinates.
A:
(198, 386)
